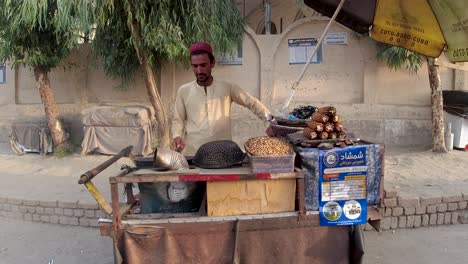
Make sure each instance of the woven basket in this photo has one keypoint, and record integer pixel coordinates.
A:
(284, 130)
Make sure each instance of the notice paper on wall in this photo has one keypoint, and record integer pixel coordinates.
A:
(342, 187)
(2, 73)
(301, 49)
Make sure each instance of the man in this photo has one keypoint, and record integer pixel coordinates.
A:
(203, 107)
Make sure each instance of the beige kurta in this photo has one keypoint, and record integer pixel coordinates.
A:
(200, 118)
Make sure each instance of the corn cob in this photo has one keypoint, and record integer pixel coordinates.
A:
(315, 126)
(319, 117)
(327, 110)
(341, 135)
(332, 135)
(338, 127)
(335, 118)
(309, 133)
(329, 127)
(323, 135)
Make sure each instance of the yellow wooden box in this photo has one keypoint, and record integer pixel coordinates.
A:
(250, 197)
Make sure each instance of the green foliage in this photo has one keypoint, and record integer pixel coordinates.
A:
(41, 33)
(397, 58)
(168, 28)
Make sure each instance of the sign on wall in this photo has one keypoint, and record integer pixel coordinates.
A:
(342, 186)
(233, 58)
(2, 73)
(301, 49)
(336, 38)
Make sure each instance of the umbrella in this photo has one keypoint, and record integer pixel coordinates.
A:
(427, 27)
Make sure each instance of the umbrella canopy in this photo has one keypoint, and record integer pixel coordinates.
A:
(423, 26)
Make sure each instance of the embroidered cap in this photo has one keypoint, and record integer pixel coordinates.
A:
(197, 46)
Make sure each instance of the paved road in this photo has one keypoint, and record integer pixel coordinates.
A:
(28, 242)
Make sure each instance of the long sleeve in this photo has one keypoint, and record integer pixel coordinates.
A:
(245, 99)
(180, 115)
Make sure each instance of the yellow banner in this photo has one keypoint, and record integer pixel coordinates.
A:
(453, 19)
(410, 24)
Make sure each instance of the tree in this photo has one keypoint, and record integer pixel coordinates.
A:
(40, 34)
(397, 58)
(144, 33)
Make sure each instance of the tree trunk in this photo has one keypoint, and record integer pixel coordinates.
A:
(151, 87)
(50, 106)
(438, 136)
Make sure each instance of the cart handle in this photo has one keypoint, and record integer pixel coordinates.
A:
(89, 175)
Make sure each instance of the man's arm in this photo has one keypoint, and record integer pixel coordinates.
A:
(245, 99)
(178, 123)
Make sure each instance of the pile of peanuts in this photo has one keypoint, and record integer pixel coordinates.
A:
(268, 146)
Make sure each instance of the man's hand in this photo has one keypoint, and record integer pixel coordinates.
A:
(179, 144)
(269, 132)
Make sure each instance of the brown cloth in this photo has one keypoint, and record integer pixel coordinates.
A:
(108, 129)
(274, 240)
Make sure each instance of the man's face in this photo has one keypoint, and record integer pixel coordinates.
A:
(201, 67)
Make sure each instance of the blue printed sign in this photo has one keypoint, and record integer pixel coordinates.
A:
(342, 186)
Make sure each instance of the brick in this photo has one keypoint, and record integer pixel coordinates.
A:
(440, 218)
(452, 206)
(23, 209)
(410, 210)
(390, 193)
(71, 205)
(452, 198)
(367, 227)
(465, 196)
(30, 203)
(68, 212)
(410, 221)
(448, 218)
(6, 207)
(36, 218)
(442, 208)
(1, 206)
(101, 214)
(64, 220)
(454, 217)
(58, 211)
(386, 223)
(397, 211)
(39, 210)
(49, 211)
(3, 213)
(15, 201)
(14, 208)
(89, 213)
(402, 221)
(408, 201)
(424, 220)
(390, 202)
(15, 215)
(417, 221)
(31, 209)
(54, 219)
(45, 218)
(3, 200)
(432, 219)
(74, 221)
(420, 210)
(88, 206)
(463, 217)
(93, 223)
(462, 205)
(431, 209)
(27, 217)
(78, 212)
(429, 200)
(84, 222)
(388, 211)
(394, 223)
(48, 203)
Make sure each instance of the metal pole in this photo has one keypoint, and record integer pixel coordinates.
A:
(319, 43)
(267, 17)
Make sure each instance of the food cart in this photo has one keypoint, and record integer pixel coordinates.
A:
(292, 236)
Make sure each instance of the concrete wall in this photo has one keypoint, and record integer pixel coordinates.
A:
(377, 104)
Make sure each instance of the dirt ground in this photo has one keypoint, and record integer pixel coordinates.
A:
(29, 242)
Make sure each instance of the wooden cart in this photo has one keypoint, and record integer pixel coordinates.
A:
(292, 237)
